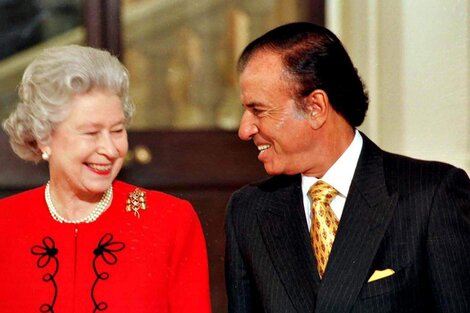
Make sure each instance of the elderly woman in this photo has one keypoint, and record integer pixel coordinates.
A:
(86, 242)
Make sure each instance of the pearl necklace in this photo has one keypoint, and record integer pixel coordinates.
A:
(93, 216)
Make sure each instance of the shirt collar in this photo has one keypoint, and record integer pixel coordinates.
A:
(341, 173)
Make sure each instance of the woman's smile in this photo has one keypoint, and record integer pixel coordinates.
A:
(101, 169)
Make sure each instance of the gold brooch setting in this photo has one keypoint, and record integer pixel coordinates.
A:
(136, 202)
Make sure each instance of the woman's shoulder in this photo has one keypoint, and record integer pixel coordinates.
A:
(27, 196)
(154, 200)
(123, 188)
(13, 208)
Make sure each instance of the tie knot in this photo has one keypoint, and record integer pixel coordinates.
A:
(322, 192)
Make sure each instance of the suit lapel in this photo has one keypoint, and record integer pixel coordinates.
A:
(284, 230)
(367, 212)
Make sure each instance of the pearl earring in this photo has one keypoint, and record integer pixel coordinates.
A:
(45, 156)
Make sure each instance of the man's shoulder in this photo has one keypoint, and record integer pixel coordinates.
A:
(406, 173)
(406, 164)
(270, 185)
(264, 191)
(248, 201)
(398, 164)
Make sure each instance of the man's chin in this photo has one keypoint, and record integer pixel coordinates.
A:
(271, 171)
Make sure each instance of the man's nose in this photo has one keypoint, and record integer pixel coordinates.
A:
(248, 127)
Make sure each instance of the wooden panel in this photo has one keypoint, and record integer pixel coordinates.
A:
(101, 19)
(196, 159)
(317, 11)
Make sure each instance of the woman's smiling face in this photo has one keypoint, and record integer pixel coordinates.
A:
(87, 149)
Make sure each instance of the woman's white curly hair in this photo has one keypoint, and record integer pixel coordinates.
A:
(48, 85)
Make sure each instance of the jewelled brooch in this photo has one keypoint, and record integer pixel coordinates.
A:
(136, 202)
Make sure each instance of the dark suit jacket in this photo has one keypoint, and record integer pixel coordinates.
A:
(408, 215)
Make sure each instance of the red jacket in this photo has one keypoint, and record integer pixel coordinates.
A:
(120, 263)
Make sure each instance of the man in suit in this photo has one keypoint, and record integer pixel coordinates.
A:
(400, 227)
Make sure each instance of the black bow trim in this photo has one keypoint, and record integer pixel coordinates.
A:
(48, 254)
(106, 251)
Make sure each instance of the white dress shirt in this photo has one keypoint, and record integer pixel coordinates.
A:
(339, 175)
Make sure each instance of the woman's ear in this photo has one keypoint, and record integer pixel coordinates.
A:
(46, 151)
(317, 108)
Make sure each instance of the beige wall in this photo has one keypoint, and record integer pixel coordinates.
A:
(414, 56)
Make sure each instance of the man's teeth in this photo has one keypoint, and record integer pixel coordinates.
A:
(263, 147)
(100, 167)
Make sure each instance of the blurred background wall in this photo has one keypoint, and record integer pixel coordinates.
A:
(413, 56)
(415, 59)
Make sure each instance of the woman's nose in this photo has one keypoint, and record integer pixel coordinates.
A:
(248, 127)
(108, 146)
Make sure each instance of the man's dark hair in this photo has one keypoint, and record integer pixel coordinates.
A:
(315, 58)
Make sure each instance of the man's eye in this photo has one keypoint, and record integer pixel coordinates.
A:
(117, 131)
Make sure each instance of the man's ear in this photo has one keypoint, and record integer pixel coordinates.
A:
(317, 107)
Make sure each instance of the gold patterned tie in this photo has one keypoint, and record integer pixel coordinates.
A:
(324, 222)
